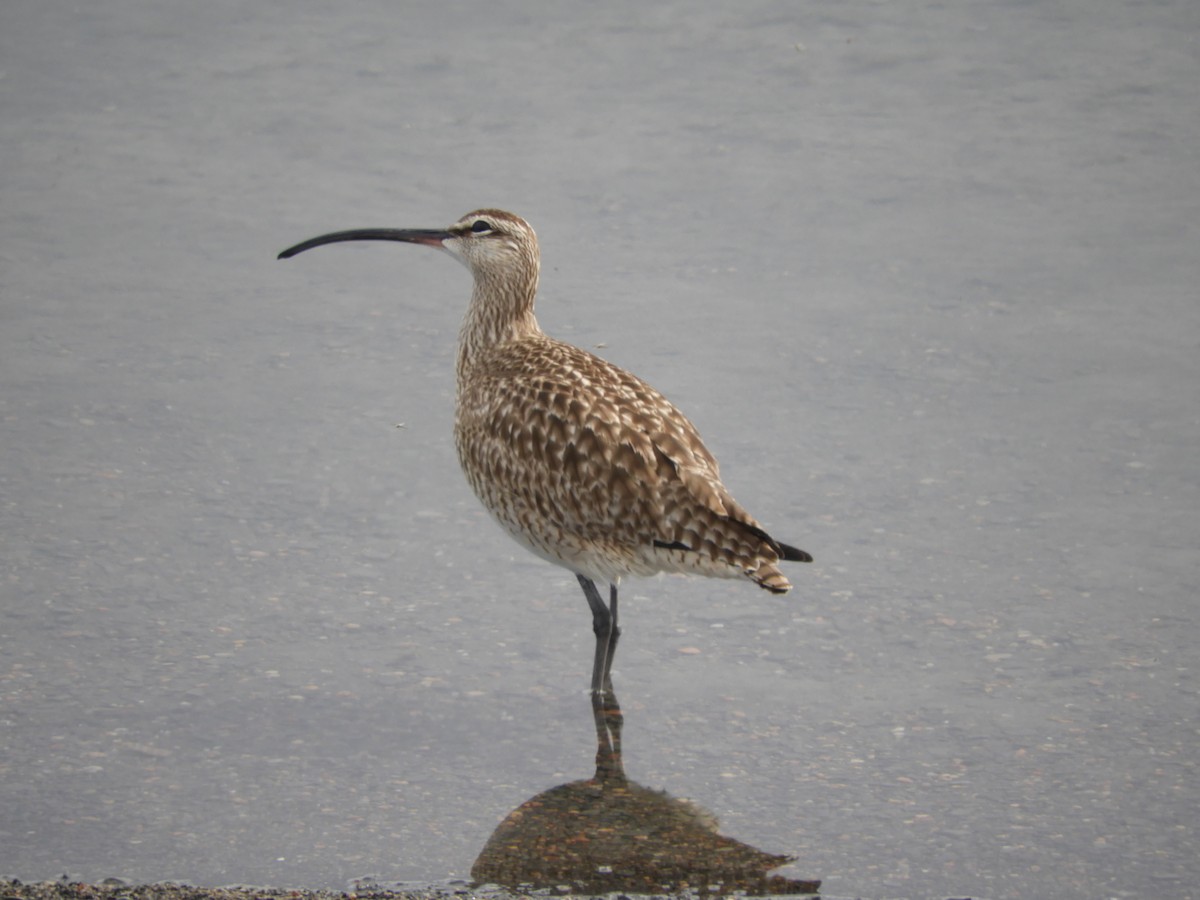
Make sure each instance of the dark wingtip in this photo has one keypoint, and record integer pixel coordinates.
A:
(794, 554)
(784, 551)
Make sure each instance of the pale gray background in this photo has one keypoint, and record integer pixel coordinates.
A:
(925, 276)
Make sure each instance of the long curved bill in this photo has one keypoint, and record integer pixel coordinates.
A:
(430, 237)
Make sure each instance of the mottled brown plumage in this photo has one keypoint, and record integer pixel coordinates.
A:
(582, 462)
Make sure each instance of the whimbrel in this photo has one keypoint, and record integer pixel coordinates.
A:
(583, 463)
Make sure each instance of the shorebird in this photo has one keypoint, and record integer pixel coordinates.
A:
(583, 463)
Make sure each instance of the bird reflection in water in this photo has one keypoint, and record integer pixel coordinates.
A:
(611, 834)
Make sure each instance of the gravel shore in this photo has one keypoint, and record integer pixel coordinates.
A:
(115, 889)
(118, 889)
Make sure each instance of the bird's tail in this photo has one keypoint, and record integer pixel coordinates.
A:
(759, 563)
(767, 575)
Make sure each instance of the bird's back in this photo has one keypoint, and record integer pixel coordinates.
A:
(590, 467)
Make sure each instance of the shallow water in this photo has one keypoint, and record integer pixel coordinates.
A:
(924, 277)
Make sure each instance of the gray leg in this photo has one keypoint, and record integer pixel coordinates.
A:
(605, 710)
(613, 633)
(604, 626)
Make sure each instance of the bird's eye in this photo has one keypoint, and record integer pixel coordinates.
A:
(480, 225)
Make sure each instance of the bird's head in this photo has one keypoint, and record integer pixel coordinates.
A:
(491, 242)
(495, 245)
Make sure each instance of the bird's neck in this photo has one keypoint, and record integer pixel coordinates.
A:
(500, 311)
